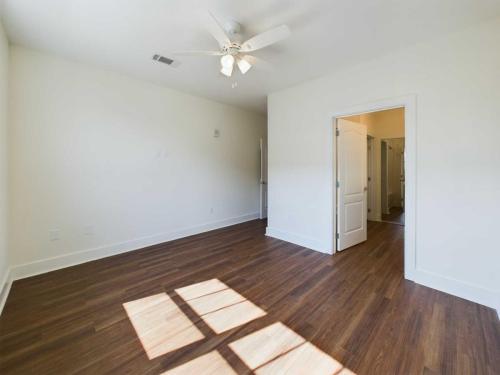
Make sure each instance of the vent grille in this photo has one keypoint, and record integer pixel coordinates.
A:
(163, 59)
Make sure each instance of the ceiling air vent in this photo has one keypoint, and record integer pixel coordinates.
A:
(163, 59)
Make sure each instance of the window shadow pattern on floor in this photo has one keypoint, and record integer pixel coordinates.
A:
(162, 327)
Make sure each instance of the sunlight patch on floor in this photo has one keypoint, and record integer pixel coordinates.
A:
(215, 301)
(160, 325)
(266, 344)
(304, 359)
(201, 289)
(211, 363)
(277, 349)
(220, 307)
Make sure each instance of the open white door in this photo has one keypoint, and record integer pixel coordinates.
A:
(263, 179)
(351, 183)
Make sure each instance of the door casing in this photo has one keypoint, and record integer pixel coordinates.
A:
(263, 179)
(372, 191)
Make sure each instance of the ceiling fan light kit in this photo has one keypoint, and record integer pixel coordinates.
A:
(227, 61)
(231, 51)
(227, 70)
(243, 65)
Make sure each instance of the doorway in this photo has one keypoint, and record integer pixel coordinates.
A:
(409, 105)
(370, 173)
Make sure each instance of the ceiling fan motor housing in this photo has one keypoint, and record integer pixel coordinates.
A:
(232, 28)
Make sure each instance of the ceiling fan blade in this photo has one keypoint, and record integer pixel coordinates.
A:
(198, 53)
(217, 31)
(266, 38)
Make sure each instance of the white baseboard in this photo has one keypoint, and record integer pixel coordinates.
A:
(300, 240)
(451, 286)
(5, 285)
(458, 288)
(22, 271)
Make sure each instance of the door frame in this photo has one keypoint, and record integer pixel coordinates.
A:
(372, 170)
(409, 103)
(384, 178)
(263, 179)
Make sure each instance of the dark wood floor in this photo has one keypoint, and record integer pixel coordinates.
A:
(354, 306)
(396, 216)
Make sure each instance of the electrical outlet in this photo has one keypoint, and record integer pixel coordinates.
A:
(54, 235)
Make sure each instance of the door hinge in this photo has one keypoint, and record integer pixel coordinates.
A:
(337, 236)
(338, 184)
(369, 178)
(337, 132)
(369, 210)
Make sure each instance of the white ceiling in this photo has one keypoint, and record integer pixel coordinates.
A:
(123, 35)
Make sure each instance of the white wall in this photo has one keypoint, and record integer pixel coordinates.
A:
(115, 163)
(4, 65)
(455, 80)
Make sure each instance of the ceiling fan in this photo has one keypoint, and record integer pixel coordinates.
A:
(232, 49)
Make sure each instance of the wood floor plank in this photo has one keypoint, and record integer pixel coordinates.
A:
(355, 307)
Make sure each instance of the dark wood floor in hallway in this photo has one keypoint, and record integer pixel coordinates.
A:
(396, 216)
(354, 307)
